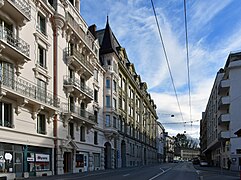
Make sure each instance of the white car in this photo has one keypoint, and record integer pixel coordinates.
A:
(203, 163)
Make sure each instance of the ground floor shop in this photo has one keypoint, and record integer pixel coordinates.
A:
(23, 161)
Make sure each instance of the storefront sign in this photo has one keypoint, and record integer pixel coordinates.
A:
(42, 158)
(30, 159)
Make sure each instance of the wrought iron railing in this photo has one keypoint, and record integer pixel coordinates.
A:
(28, 89)
(80, 57)
(88, 39)
(76, 83)
(77, 110)
(23, 6)
(8, 36)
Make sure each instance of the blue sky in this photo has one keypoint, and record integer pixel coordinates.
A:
(214, 29)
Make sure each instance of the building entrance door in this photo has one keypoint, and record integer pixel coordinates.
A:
(67, 162)
(18, 164)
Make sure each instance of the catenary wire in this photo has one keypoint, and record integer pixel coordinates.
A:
(167, 61)
(187, 56)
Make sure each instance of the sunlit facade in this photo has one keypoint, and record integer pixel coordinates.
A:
(220, 120)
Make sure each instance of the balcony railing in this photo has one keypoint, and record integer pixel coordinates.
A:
(28, 89)
(23, 6)
(71, 108)
(7, 36)
(76, 83)
(81, 58)
(88, 39)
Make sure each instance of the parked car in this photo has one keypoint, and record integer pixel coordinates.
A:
(195, 161)
(203, 163)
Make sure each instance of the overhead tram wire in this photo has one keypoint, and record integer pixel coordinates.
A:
(167, 61)
(188, 64)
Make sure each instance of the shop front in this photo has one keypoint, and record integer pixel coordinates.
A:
(24, 161)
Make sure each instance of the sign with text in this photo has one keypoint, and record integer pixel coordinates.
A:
(42, 158)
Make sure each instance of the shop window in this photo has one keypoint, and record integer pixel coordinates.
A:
(41, 124)
(82, 133)
(5, 114)
(41, 24)
(42, 162)
(6, 162)
(42, 57)
(79, 160)
(95, 137)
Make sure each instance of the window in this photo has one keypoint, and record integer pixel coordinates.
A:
(5, 114)
(82, 133)
(41, 90)
(41, 24)
(114, 122)
(42, 56)
(96, 74)
(114, 103)
(71, 130)
(95, 137)
(120, 103)
(96, 95)
(41, 124)
(96, 116)
(107, 121)
(108, 83)
(108, 62)
(114, 85)
(107, 101)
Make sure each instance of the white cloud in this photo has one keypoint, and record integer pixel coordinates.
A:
(135, 28)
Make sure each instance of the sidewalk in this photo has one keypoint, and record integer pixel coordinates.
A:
(218, 170)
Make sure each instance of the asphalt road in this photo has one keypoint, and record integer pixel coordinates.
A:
(172, 171)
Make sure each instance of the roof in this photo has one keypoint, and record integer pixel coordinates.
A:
(107, 40)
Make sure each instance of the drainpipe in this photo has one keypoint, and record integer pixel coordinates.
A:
(55, 73)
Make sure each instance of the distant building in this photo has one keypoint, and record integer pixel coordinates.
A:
(220, 140)
(169, 148)
(189, 154)
(160, 142)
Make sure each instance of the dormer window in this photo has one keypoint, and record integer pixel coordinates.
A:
(109, 62)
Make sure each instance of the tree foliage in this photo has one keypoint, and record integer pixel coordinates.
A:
(182, 141)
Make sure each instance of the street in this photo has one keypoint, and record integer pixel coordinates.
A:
(166, 171)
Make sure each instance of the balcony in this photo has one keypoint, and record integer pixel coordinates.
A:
(224, 118)
(223, 103)
(224, 135)
(18, 10)
(17, 88)
(110, 131)
(78, 89)
(224, 86)
(78, 61)
(88, 38)
(13, 47)
(76, 113)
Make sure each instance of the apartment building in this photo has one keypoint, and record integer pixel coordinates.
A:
(220, 120)
(129, 112)
(169, 148)
(50, 90)
(160, 138)
(67, 104)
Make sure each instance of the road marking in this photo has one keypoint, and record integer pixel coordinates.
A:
(154, 177)
(162, 169)
(126, 175)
